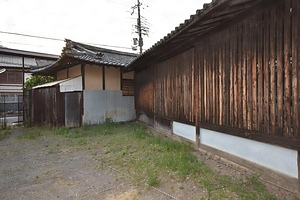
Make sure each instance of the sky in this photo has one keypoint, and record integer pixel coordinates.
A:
(104, 23)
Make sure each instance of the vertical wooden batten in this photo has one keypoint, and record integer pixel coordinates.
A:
(195, 71)
(243, 79)
(121, 79)
(103, 77)
(295, 67)
(82, 93)
(23, 82)
(83, 76)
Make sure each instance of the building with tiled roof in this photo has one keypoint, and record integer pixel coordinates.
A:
(75, 53)
(90, 80)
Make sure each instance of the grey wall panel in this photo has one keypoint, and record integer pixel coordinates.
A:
(100, 105)
(73, 109)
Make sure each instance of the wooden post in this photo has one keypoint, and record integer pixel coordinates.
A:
(154, 90)
(172, 131)
(196, 96)
(121, 80)
(23, 81)
(103, 77)
(82, 94)
(83, 76)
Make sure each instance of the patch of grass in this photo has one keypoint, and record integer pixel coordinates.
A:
(148, 158)
(152, 178)
(31, 134)
(4, 133)
(87, 131)
(146, 155)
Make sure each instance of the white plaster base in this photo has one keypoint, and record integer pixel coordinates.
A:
(273, 157)
(184, 130)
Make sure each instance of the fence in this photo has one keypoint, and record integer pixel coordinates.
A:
(10, 111)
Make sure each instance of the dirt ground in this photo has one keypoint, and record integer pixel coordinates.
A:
(50, 168)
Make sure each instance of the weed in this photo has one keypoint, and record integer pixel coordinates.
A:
(4, 134)
(28, 123)
(51, 151)
(62, 130)
(147, 158)
(30, 134)
(152, 178)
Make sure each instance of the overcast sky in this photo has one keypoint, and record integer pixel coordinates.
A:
(103, 22)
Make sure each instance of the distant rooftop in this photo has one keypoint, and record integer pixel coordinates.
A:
(13, 58)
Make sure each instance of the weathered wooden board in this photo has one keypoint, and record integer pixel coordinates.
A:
(246, 77)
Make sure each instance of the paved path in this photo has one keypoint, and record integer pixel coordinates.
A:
(10, 120)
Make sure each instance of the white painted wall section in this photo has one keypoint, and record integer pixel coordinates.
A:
(184, 130)
(71, 85)
(273, 157)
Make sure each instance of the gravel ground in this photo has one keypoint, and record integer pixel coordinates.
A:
(51, 167)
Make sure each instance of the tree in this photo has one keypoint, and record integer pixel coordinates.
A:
(37, 80)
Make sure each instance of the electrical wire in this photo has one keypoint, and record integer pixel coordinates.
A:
(60, 40)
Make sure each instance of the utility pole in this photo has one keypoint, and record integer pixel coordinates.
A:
(139, 27)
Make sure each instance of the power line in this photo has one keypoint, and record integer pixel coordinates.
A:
(60, 40)
(32, 36)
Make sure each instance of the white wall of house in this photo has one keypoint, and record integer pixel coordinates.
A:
(112, 78)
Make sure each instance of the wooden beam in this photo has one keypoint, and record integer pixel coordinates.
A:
(195, 69)
(103, 77)
(83, 76)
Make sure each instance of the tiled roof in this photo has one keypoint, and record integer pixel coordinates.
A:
(83, 53)
(212, 15)
(97, 54)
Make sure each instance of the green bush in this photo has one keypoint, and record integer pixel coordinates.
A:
(36, 80)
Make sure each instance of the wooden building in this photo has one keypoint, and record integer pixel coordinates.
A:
(15, 67)
(229, 78)
(89, 87)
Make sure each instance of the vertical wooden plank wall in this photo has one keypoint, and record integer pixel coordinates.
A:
(49, 106)
(250, 74)
(144, 91)
(246, 76)
(174, 87)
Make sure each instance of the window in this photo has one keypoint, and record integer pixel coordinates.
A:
(11, 78)
(128, 87)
